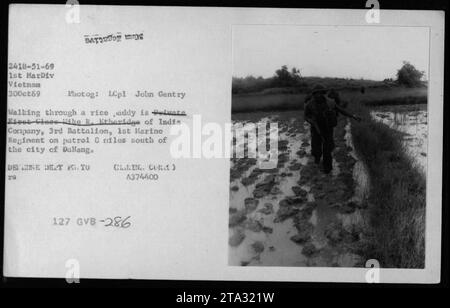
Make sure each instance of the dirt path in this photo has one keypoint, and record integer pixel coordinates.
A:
(294, 215)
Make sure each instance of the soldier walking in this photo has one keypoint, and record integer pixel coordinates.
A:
(321, 113)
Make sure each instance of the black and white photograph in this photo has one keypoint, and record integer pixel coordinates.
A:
(349, 185)
(254, 146)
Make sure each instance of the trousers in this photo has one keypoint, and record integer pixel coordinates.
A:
(322, 146)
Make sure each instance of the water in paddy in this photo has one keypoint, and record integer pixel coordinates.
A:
(268, 242)
(412, 120)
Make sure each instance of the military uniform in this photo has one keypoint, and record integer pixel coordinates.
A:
(321, 112)
(322, 143)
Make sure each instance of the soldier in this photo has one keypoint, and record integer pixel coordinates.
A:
(321, 112)
(334, 94)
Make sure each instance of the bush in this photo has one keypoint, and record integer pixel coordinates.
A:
(409, 76)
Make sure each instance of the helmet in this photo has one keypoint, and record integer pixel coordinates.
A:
(318, 88)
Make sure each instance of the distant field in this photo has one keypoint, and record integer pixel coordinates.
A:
(372, 97)
(265, 102)
(395, 96)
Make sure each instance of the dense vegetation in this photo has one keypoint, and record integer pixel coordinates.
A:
(285, 81)
(397, 196)
(371, 97)
(409, 76)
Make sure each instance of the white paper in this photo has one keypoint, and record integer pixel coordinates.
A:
(175, 227)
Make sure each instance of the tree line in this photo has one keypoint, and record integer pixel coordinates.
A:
(291, 80)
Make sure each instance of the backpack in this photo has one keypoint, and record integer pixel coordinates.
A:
(330, 113)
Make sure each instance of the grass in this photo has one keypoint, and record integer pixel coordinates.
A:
(287, 101)
(397, 197)
(398, 189)
(252, 102)
(251, 84)
(394, 96)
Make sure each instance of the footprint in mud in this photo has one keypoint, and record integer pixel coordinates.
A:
(309, 249)
(258, 247)
(250, 204)
(298, 191)
(292, 214)
(301, 153)
(267, 209)
(295, 166)
(237, 238)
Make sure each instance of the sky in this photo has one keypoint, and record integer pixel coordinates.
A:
(369, 52)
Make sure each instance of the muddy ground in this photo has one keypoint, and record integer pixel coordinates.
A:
(294, 215)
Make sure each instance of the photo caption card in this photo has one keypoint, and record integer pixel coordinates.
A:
(223, 144)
